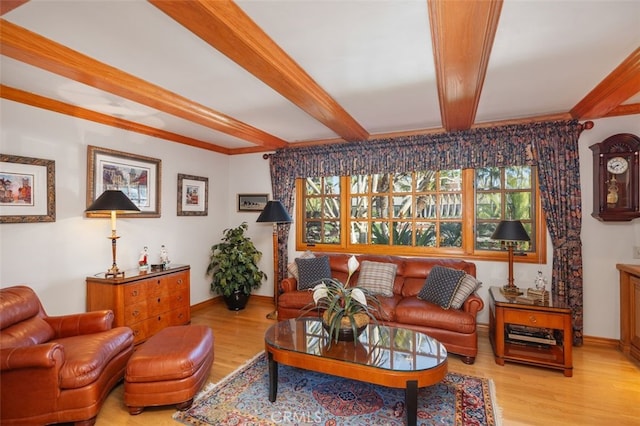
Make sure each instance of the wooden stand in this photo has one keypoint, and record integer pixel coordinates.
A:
(505, 311)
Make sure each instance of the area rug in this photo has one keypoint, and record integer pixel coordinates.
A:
(309, 398)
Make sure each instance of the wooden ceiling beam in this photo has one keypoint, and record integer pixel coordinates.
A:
(462, 34)
(54, 105)
(23, 45)
(8, 5)
(621, 84)
(227, 28)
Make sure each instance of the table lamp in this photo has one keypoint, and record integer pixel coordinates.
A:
(510, 232)
(113, 201)
(275, 213)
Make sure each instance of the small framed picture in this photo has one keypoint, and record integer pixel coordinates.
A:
(27, 190)
(193, 195)
(135, 175)
(252, 202)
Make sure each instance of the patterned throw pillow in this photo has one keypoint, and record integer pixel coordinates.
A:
(377, 277)
(468, 285)
(293, 266)
(441, 285)
(311, 271)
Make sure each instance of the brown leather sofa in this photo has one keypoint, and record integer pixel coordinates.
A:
(56, 369)
(455, 328)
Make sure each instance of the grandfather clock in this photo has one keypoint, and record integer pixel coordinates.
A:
(616, 180)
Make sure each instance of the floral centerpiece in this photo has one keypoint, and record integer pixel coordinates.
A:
(347, 310)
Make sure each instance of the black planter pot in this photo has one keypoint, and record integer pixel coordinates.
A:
(237, 301)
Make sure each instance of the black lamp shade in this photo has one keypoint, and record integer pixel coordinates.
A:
(510, 230)
(274, 211)
(113, 200)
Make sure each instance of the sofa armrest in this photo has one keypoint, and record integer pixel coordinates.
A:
(288, 284)
(46, 355)
(79, 324)
(473, 304)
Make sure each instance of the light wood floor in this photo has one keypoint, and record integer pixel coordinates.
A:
(604, 389)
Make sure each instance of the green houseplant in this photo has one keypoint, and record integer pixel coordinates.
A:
(347, 310)
(233, 267)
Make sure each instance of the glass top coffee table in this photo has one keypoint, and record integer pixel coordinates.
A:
(383, 355)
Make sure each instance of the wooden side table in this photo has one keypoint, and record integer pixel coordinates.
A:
(505, 313)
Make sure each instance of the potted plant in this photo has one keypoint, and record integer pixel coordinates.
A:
(233, 266)
(347, 310)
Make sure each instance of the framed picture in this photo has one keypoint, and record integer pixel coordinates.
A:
(27, 190)
(135, 175)
(193, 195)
(252, 202)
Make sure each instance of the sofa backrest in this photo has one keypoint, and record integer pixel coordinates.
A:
(22, 318)
(410, 276)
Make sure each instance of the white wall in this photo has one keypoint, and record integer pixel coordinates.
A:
(604, 243)
(54, 258)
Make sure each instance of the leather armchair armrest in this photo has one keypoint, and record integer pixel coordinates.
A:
(79, 324)
(473, 304)
(45, 355)
(289, 284)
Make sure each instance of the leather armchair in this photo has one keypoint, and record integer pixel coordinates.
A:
(56, 369)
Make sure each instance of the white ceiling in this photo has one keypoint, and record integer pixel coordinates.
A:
(373, 57)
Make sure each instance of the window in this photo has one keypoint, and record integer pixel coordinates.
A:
(440, 213)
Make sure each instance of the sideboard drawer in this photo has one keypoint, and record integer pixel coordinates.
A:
(135, 293)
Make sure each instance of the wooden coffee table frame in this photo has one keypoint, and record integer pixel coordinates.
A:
(410, 381)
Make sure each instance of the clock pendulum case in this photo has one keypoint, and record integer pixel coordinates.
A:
(616, 179)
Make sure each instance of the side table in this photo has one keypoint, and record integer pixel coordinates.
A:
(506, 314)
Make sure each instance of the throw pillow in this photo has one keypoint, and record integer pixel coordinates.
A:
(377, 277)
(293, 266)
(468, 285)
(311, 271)
(440, 285)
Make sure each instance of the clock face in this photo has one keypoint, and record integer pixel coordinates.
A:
(617, 165)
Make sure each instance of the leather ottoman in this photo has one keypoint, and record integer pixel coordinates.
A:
(169, 368)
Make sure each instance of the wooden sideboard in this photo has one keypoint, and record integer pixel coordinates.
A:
(630, 309)
(144, 301)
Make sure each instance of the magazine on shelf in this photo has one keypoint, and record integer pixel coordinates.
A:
(530, 334)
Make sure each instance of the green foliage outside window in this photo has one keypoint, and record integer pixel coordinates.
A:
(422, 211)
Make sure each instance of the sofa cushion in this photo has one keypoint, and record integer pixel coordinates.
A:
(293, 266)
(468, 285)
(311, 271)
(412, 311)
(441, 285)
(377, 277)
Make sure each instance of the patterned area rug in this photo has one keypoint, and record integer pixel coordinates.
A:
(309, 398)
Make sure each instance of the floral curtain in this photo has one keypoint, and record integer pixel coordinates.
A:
(556, 152)
(483, 147)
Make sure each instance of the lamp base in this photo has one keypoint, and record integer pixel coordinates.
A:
(114, 272)
(272, 315)
(510, 291)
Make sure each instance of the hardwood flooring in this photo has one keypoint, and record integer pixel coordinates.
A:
(604, 389)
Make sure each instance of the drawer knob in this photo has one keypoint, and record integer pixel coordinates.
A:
(533, 319)
(135, 313)
(134, 293)
(158, 300)
(179, 281)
